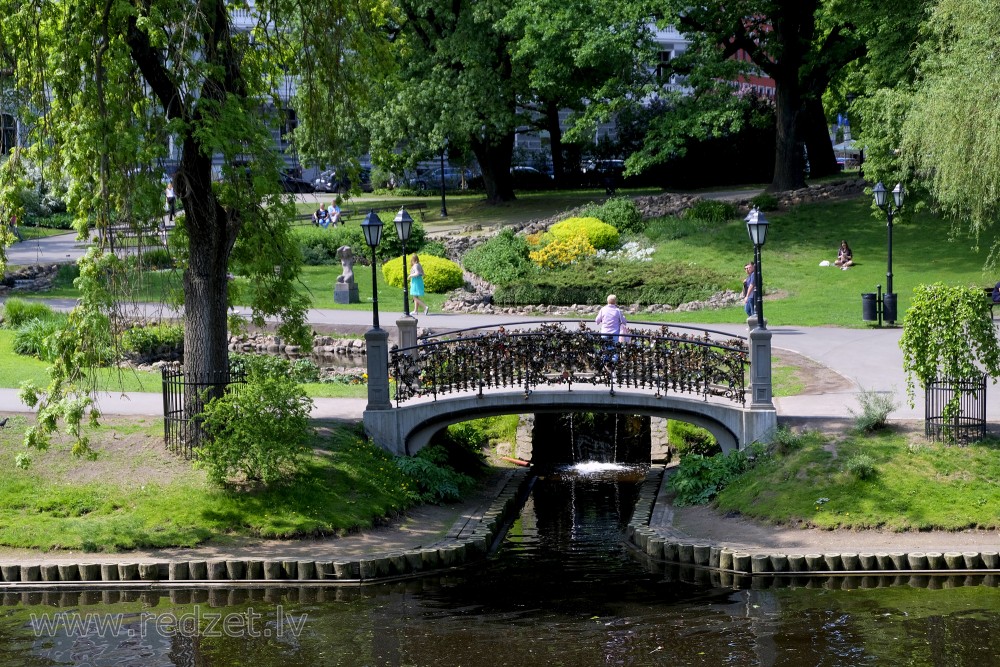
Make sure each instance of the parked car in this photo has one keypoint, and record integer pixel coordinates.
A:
(455, 178)
(529, 178)
(338, 180)
(290, 183)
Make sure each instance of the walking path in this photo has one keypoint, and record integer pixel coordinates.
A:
(862, 358)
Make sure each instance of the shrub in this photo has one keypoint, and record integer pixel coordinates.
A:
(319, 246)
(875, 410)
(151, 340)
(500, 260)
(391, 246)
(600, 234)
(18, 312)
(440, 275)
(563, 251)
(435, 248)
(862, 467)
(765, 201)
(698, 478)
(434, 479)
(591, 281)
(785, 441)
(157, 259)
(671, 228)
(690, 439)
(619, 212)
(301, 370)
(37, 338)
(257, 435)
(712, 210)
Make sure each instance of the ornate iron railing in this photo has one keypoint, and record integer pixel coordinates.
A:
(656, 359)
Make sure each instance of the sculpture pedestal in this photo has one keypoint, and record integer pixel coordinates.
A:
(346, 293)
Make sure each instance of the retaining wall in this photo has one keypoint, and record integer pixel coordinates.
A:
(470, 542)
(659, 543)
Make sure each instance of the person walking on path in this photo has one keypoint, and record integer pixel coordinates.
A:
(171, 201)
(417, 284)
(749, 286)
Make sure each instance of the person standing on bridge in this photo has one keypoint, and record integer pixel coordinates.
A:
(611, 320)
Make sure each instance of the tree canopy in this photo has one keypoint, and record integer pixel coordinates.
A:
(109, 85)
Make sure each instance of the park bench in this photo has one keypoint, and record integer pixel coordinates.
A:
(988, 291)
(347, 214)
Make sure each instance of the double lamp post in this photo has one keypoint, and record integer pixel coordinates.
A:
(376, 338)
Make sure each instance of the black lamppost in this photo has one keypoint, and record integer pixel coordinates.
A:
(882, 201)
(757, 228)
(404, 223)
(444, 209)
(372, 227)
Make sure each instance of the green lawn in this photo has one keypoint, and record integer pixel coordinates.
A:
(917, 486)
(135, 495)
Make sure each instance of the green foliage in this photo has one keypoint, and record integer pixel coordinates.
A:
(440, 275)
(391, 246)
(712, 211)
(434, 480)
(157, 259)
(633, 282)
(435, 248)
(948, 334)
(500, 260)
(785, 441)
(687, 438)
(698, 478)
(319, 246)
(601, 235)
(876, 407)
(150, 340)
(257, 433)
(18, 312)
(561, 252)
(619, 212)
(671, 228)
(300, 370)
(765, 201)
(863, 467)
(36, 338)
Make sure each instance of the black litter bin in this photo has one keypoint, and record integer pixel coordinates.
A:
(869, 307)
(889, 307)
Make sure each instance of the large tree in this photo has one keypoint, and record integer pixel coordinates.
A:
(472, 73)
(109, 84)
(800, 44)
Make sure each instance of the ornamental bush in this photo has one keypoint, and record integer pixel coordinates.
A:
(563, 251)
(258, 434)
(712, 210)
(500, 260)
(601, 235)
(619, 212)
(147, 341)
(319, 246)
(440, 274)
(17, 311)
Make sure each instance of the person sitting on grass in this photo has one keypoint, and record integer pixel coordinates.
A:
(845, 257)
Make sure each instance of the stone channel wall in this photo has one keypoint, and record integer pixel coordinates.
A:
(659, 544)
(470, 542)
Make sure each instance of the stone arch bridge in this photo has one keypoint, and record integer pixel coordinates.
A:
(690, 374)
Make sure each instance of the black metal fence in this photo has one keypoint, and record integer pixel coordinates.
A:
(955, 410)
(184, 399)
(656, 359)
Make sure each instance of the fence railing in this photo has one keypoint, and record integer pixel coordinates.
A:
(184, 399)
(955, 410)
(655, 359)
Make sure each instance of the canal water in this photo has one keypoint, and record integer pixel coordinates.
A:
(562, 589)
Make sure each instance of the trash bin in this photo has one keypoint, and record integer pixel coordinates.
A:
(869, 307)
(889, 307)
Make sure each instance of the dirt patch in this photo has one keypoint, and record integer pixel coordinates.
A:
(814, 377)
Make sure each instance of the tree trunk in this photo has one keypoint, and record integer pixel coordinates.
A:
(814, 132)
(555, 143)
(494, 159)
(788, 167)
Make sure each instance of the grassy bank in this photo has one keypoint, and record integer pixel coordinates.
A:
(135, 494)
(892, 480)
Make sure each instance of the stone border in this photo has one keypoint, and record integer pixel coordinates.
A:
(663, 544)
(468, 541)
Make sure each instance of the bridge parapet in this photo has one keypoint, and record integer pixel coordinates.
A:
(650, 356)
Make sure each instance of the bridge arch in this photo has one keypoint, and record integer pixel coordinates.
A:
(695, 377)
(406, 429)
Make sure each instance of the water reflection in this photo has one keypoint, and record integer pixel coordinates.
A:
(562, 590)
